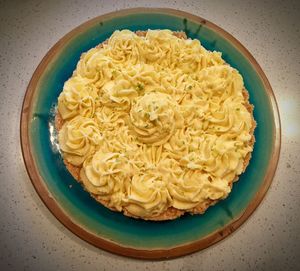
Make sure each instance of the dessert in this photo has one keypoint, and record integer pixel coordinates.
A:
(154, 125)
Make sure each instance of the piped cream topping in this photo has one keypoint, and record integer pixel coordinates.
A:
(155, 122)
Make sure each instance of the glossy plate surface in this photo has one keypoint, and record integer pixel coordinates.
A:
(112, 231)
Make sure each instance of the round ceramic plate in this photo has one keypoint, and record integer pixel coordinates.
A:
(113, 231)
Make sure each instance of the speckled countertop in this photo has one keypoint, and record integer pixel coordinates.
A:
(32, 239)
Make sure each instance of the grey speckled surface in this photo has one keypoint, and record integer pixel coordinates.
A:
(32, 239)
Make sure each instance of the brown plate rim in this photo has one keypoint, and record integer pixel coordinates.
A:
(53, 205)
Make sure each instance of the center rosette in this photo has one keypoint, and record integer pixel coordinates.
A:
(154, 118)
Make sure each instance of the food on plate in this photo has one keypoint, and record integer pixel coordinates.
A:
(154, 125)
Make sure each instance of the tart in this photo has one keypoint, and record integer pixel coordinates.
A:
(154, 125)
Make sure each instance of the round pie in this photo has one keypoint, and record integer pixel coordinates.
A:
(154, 125)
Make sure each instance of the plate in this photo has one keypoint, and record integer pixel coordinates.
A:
(112, 231)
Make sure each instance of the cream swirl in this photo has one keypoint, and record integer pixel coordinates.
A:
(123, 47)
(118, 94)
(194, 187)
(123, 142)
(221, 81)
(178, 144)
(95, 67)
(219, 156)
(187, 191)
(78, 139)
(78, 98)
(106, 175)
(109, 119)
(216, 189)
(147, 195)
(161, 48)
(151, 157)
(230, 116)
(192, 58)
(154, 118)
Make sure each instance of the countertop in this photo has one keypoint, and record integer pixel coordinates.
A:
(30, 236)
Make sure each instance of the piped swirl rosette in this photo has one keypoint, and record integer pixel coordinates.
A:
(106, 175)
(78, 139)
(154, 118)
(147, 195)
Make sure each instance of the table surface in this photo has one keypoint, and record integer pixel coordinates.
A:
(32, 239)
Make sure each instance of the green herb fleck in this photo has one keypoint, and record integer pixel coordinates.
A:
(139, 87)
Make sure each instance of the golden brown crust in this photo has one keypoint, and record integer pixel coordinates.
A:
(178, 34)
(171, 212)
(250, 108)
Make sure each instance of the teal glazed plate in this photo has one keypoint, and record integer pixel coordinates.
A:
(112, 231)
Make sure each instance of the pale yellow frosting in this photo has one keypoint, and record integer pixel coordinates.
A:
(78, 139)
(154, 118)
(77, 98)
(147, 194)
(105, 174)
(194, 186)
(155, 122)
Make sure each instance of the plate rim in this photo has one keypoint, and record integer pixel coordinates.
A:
(151, 254)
